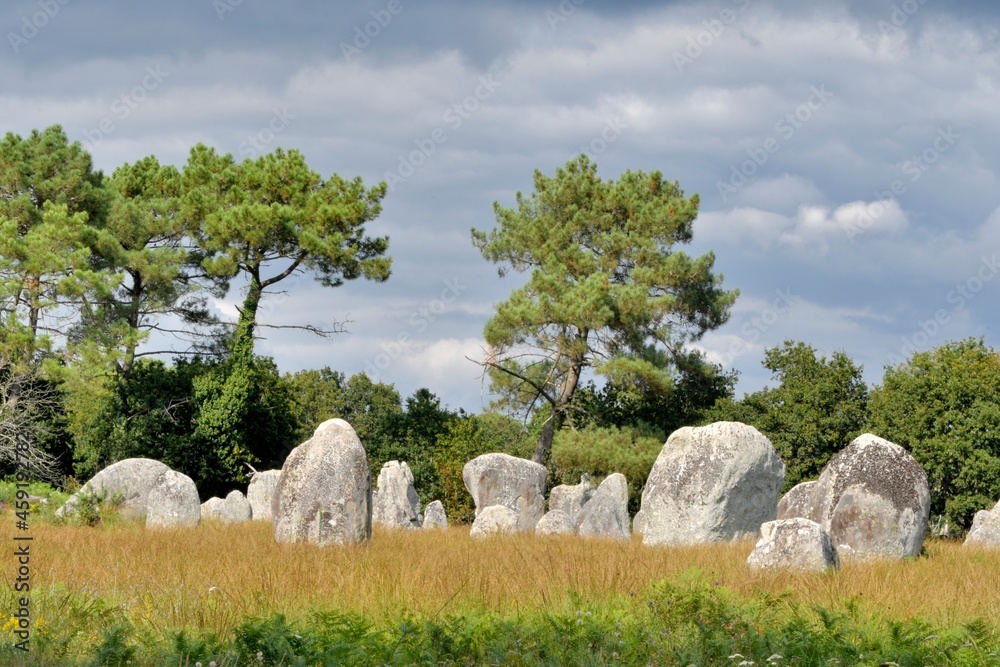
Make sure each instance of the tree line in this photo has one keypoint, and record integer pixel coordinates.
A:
(91, 265)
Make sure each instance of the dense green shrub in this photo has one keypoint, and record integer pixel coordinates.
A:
(943, 405)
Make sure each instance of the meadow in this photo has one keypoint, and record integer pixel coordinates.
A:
(118, 594)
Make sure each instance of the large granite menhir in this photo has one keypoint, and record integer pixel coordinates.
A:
(129, 479)
(395, 503)
(501, 479)
(873, 499)
(710, 483)
(261, 491)
(324, 493)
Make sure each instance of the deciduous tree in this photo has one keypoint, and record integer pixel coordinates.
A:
(817, 408)
(943, 405)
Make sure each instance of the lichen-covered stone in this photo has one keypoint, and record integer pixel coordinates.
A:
(234, 509)
(325, 490)
(797, 502)
(606, 513)
(130, 480)
(260, 492)
(173, 501)
(555, 522)
(494, 519)
(710, 483)
(796, 543)
(873, 499)
(434, 516)
(985, 531)
(395, 503)
(570, 498)
(501, 479)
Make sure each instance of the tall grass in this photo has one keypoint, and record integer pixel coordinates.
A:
(209, 579)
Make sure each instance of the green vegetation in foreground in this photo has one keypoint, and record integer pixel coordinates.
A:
(689, 621)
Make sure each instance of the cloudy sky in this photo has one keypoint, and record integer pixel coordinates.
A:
(846, 152)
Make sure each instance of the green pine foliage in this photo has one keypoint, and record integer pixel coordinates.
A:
(606, 288)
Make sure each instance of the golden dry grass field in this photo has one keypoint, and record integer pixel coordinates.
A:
(212, 577)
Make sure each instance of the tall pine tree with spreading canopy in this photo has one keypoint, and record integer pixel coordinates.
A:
(267, 219)
(606, 289)
(52, 207)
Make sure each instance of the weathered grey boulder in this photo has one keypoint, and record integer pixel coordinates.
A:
(395, 503)
(985, 531)
(797, 502)
(501, 479)
(494, 519)
(212, 508)
(260, 491)
(873, 498)
(710, 483)
(571, 498)
(555, 522)
(173, 501)
(434, 516)
(325, 490)
(131, 479)
(606, 513)
(797, 543)
(234, 509)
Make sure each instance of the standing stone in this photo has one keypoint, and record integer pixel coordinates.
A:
(395, 503)
(873, 500)
(797, 502)
(325, 490)
(710, 483)
(434, 516)
(571, 498)
(234, 509)
(132, 479)
(494, 519)
(212, 508)
(798, 544)
(985, 531)
(261, 491)
(606, 513)
(173, 501)
(555, 522)
(501, 479)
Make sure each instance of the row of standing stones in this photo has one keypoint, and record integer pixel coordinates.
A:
(713, 483)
